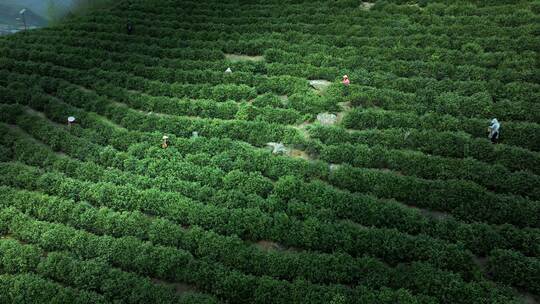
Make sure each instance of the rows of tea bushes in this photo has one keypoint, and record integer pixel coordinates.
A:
(494, 177)
(275, 113)
(318, 29)
(403, 200)
(466, 193)
(31, 288)
(515, 133)
(252, 223)
(142, 257)
(532, 194)
(362, 209)
(515, 269)
(516, 92)
(200, 242)
(477, 105)
(444, 98)
(113, 284)
(258, 133)
(500, 107)
(533, 219)
(373, 273)
(174, 168)
(463, 199)
(442, 143)
(233, 87)
(522, 95)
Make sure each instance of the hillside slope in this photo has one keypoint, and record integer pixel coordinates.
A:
(217, 157)
(40, 7)
(10, 13)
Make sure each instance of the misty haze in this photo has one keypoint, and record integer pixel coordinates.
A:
(38, 13)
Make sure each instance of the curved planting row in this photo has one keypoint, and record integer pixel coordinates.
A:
(523, 134)
(448, 144)
(517, 92)
(31, 288)
(252, 223)
(113, 284)
(494, 177)
(501, 109)
(369, 272)
(471, 194)
(98, 211)
(366, 210)
(463, 199)
(171, 264)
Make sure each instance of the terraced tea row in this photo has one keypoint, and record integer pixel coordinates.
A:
(162, 187)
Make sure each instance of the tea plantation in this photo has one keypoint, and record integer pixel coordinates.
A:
(213, 154)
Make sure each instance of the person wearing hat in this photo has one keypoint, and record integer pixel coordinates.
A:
(70, 120)
(346, 83)
(165, 143)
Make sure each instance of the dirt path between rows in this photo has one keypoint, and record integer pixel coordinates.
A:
(179, 288)
(239, 58)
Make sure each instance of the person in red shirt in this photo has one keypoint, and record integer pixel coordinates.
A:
(346, 83)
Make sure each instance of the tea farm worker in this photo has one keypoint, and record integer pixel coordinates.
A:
(70, 120)
(346, 82)
(494, 130)
(165, 143)
(129, 28)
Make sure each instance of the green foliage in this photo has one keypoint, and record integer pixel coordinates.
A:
(17, 260)
(515, 269)
(30, 288)
(250, 183)
(267, 99)
(393, 211)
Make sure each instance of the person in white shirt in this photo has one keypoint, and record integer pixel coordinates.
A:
(165, 142)
(494, 130)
